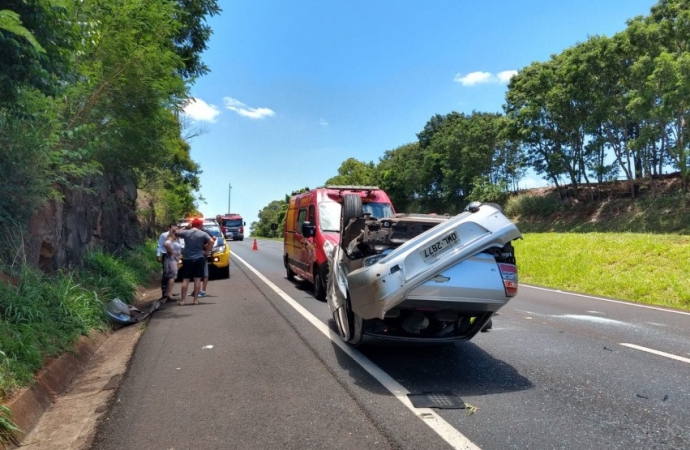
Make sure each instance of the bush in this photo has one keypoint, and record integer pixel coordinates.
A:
(110, 275)
(529, 205)
(42, 316)
(36, 323)
(486, 192)
(142, 260)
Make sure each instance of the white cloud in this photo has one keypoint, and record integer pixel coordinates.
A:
(201, 111)
(243, 110)
(474, 78)
(506, 75)
(323, 122)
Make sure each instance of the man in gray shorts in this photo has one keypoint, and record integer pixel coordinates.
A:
(196, 244)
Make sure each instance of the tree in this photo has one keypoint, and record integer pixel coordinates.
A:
(473, 147)
(274, 212)
(122, 69)
(10, 22)
(354, 173)
(191, 38)
(662, 41)
(37, 43)
(533, 121)
(400, 178)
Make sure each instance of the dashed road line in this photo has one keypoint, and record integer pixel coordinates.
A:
(656, 352)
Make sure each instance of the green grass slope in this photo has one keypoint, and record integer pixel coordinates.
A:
(615, 246)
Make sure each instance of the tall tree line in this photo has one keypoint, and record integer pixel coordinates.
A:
(608, 108)
(95, 88)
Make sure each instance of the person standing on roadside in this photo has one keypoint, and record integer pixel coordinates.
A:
(173, 250)
(204, 281)
(161, 257)
(196, 244)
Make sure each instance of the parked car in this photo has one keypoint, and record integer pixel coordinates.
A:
(312, 229)
(421, 277)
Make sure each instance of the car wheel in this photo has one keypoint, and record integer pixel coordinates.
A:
(350, 325)
(352, 208)
(319, 288)
(288, 270)
(225, 273)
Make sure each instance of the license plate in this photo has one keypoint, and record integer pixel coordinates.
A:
(445, 243)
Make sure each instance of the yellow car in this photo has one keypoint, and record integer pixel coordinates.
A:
(219, 259)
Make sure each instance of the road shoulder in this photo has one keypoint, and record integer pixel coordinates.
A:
(71, 420)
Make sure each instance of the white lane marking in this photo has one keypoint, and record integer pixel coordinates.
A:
(656, 352)
(595, 312)
(607, 300)
(445, 430)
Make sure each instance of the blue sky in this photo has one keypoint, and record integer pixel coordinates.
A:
(297, 87)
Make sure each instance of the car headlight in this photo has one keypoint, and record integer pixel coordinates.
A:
(328, 248)
(219, 249)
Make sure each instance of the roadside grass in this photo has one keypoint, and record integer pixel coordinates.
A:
(42, 315)
(640, 267)
(114, 276)
(8, 438)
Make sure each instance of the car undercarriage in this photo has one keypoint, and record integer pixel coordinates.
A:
(421, 276)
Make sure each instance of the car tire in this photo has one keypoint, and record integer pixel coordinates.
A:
(352, 208)
(319, 287)
(288, 270)
(350, 325)
(225, 273)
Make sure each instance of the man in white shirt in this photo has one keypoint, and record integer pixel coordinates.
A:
(161, 255)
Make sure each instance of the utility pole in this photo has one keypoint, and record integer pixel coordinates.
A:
(229, 196)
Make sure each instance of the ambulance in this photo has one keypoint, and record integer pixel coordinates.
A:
(312, 229)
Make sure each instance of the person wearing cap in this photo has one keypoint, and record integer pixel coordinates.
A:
(196, 244)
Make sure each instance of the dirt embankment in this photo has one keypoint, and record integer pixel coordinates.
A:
(653, 205)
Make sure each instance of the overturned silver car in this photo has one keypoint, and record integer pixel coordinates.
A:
(419, 276)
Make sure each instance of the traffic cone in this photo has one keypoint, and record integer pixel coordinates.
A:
(255, 247)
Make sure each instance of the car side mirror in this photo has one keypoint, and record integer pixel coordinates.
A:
(308, 230)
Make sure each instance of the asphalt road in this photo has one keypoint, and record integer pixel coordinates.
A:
(558, 370)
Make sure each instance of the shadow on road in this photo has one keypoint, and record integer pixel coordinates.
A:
(462, 368)
(304, 286)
